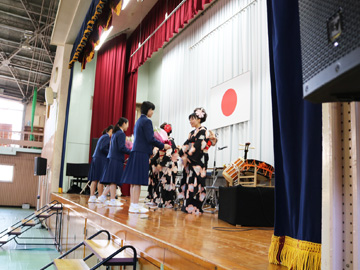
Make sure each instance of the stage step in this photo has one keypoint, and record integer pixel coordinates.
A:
(55, 206)
(104, 248)
(4, 239)
(11, 231)
(70, 264)
(26, 222)
(41, 214)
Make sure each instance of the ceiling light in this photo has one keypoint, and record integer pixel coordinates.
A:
(25, 40)
(103, 37)
(26, 45)
(125, 2)
(28, 34)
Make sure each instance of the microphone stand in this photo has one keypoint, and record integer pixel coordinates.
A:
(211, 191)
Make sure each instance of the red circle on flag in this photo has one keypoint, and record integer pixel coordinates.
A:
(229, 101)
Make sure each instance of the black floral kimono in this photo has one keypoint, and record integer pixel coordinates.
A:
(195, 159)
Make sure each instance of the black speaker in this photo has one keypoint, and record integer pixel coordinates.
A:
(330, 50)
(247, 206)
(40, 166)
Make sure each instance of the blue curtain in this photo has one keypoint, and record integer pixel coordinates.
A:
(297, 131)
(90, 13)
(65, 131)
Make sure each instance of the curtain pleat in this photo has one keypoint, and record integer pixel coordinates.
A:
(108, 100)
(152, 20)
(130, 100)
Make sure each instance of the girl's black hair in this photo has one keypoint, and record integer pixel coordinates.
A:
(121, 121)
(106, 130)
(146, 106)
(194, 115)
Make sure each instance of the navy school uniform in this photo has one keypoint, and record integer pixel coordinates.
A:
(99, 158)
(116, 157)
(137, 168)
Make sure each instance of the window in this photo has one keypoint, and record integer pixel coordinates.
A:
(11, 114)
(6, 173)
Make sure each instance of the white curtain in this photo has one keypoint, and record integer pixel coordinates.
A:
(231, 38)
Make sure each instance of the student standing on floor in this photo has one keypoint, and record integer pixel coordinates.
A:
(113, 173)
(99, 162)
(137, 169)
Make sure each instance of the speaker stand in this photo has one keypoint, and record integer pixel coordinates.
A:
(38, 195)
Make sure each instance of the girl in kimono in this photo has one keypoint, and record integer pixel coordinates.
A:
(194, 156)
(162, 174)
(168, 171)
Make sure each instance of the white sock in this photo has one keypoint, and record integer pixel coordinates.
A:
(134, 205)
(93, 197)
(112, 200)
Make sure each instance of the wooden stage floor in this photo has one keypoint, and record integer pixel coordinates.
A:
(170, 239)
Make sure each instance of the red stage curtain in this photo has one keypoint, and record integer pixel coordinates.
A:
(152, 20)
(109, 86)
(130, 100)
(129, 112)
(110, 98)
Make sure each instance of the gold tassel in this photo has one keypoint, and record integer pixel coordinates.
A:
(90, 57)
(295, 254)
(274, 249)
(89, 29)
(108, 22)
(117, 9)
(90, 23)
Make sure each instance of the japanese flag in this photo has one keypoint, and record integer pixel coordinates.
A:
(230, 102)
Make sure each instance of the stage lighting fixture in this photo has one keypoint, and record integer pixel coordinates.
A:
(103, 37)
(125, 2)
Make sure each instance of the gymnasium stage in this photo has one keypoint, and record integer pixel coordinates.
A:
(165, 238)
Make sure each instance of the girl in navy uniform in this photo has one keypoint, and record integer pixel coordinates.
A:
(113, 173)
(137, 169)
(99, 162)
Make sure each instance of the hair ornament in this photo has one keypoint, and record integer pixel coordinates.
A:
(200, 113)
(167, 128)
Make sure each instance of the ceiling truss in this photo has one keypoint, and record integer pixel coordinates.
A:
(26, 56)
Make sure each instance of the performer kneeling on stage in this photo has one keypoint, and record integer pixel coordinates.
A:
(137, 169)
(113, 173)
(99, 162)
